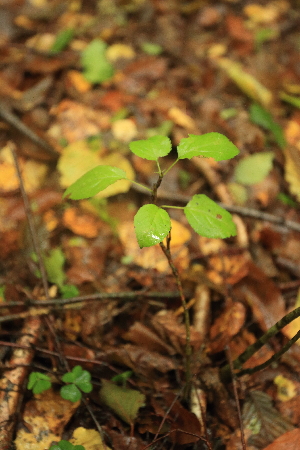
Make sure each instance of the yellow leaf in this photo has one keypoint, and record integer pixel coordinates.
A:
(246, 82)
(45, 416)
(267, 14)
(286, 389)
(181, 118)
(90, 439)
(292, 157)
(120, 51)
(124, 130)
(77, 159)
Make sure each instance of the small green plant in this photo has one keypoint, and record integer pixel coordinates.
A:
(66, 445)
(152, 223)
(122, 378)
(38, 382)
(78, 380)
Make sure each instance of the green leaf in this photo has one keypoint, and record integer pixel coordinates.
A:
(209, 145)
(66, 445)
(209, 219)
(152, 224)
(38, 382)
(121, 378)
(254, 168)
(124, 402)
(54, 265)
(62, 40)
(262, 117)
(71, 392)
(151, 49)
(68, 291)
(291, 99)
(96, 67)
(94, 181)
(80, 378)
(152, 148)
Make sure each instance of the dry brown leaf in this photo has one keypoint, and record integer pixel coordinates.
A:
(263, 296)
(77, 80)
(227, 325)
(80, 223)
(288, 441)
(166, 323)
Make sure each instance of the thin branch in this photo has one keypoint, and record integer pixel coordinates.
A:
(237, 402)
(31, 224)
(238, 362)
(241, 210)
(58, 303)
(13, 120)
(273, 358)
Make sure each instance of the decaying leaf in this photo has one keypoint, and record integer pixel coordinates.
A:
(124, 402)
(265, 423)
(289, 440)
(45, 418)
(227, 325)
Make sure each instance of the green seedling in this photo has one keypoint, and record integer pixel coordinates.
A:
(152, 222)
(79, 380)
(122, 378)
(38, 382)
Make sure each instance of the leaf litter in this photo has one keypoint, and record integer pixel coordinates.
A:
(130, 72)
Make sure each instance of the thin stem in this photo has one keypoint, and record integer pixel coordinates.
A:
(159, 169)
(32, 228)
(188, 348)
(238, 362)
(170, 167)
(141, 185)
(171, 206)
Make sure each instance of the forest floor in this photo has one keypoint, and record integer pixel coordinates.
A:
(79, 81)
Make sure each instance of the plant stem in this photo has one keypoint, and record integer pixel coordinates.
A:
(171, 206)
(238, 362)
(188, 348)
(167, 252)
(170, 167)
(142, 185)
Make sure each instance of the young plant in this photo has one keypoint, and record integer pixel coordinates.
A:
(152, 223)
(78, 380)
(38, 382)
